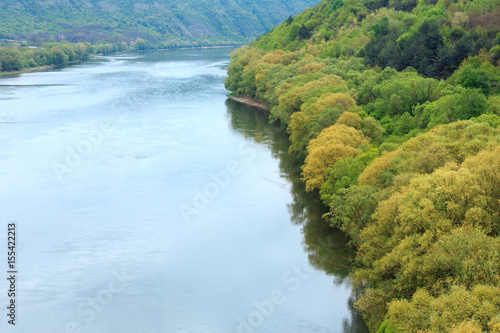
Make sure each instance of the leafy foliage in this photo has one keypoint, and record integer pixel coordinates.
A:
(439, 231)
(461, 310)
(331, 145)
(432, 38)
(394, 109)
(54, 54)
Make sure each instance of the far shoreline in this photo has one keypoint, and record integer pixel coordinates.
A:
(48, 67)
(28, 70)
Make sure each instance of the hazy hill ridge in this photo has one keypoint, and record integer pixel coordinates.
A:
(160, 20)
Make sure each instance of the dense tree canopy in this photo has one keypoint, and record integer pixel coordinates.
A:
(55, 54)
(332, 144)
(394, 108)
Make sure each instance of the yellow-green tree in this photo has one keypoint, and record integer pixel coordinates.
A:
(292, 97)
(315, 115)
(427, 152)
(437, 232)
(331, 145)
(462, 310)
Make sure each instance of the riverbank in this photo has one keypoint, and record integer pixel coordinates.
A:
(44, 68)
(28, 70)
(250, 101)
(47, 67)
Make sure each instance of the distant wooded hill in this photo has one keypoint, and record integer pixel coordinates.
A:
(159, 21)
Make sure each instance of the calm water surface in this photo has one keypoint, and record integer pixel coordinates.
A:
(145, 201)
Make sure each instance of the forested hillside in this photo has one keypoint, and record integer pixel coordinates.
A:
(393, 107)
(161, 22)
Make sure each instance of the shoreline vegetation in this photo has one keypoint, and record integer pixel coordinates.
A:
(18, 60)
(393, 109)
(28, 70)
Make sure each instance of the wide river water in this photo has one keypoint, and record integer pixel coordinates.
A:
(145, 201)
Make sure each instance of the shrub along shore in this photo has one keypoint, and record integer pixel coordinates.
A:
(14, 60)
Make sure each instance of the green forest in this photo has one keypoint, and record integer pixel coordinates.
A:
(57, 54)
(393, 110)
(36, 33)
(163, 23)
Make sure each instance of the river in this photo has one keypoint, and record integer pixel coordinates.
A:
(145, 201)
